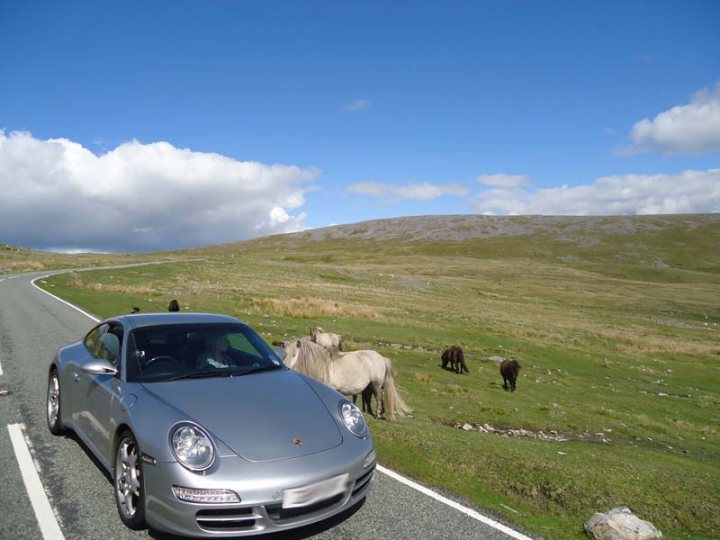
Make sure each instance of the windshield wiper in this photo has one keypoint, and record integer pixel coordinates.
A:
(255, 369)
(204, 374)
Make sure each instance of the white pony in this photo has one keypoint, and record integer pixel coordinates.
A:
(332, 342)
(348, 372)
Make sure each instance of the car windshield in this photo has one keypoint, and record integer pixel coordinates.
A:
(176, 352)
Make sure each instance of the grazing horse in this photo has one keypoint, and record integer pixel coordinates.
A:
(327, 339)
(333, 342)
(456, 358)
(509, 369)
(349, 373)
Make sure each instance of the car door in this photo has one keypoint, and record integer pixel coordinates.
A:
(99, 394)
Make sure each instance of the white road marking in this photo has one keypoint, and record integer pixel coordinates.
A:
(392, 474)
(63, 301)
(459, 507)
(38, 498)
(1, 371)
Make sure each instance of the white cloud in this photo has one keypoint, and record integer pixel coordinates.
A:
(685, 129)
(504, 180)
(56, 193)
(357, 105)
(690, 192)
(417, 192)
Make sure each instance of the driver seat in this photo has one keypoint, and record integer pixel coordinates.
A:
(194, 346)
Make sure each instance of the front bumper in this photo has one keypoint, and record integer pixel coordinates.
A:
(260, 487)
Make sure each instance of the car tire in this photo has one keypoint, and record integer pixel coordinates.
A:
(52, 409)
(128, 482)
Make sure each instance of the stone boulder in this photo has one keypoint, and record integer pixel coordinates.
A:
(620, 524)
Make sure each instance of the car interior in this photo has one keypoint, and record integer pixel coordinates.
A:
(162, 350)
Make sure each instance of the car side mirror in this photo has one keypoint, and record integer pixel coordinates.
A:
(281, 353)
(100, 367)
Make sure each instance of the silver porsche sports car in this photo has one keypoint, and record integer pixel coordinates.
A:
(203, 429)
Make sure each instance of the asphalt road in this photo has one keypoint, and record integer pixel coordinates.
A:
(32, 326)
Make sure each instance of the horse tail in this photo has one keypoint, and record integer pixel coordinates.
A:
(393, 402)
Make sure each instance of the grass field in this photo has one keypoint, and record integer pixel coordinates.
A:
(616, 322)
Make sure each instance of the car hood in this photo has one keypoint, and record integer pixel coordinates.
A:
(265, 416)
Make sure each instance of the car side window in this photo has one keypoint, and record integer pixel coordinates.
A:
(104, 342)
(93, 339)
(112, 343)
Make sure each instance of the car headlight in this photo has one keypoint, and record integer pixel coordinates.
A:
(192, 446)
(353, 419)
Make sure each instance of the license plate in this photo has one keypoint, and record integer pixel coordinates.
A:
(312, 493)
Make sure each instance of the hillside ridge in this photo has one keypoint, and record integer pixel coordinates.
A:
(468, 227)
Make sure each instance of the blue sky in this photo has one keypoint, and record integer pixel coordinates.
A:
(201, 122)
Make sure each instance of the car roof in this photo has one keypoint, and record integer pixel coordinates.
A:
(143, 320)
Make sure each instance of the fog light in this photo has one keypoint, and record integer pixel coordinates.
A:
(370, 459)
(208, 496)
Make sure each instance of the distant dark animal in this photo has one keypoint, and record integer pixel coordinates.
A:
(509, 369)
(455, 357)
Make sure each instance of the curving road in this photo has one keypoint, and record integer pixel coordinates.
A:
(33, 325)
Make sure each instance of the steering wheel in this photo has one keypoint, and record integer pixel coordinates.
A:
(159, 359)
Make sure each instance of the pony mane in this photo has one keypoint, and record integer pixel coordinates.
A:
(313, 360)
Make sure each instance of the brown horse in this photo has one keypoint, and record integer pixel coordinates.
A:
(509, 369)
(366, 396)
(456, 358)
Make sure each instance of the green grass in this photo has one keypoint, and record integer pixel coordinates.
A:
(620, 355)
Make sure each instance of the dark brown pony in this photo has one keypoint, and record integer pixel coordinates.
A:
(456, 358)
(509, 369)
(366, 400)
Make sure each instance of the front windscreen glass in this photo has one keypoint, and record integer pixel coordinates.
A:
(174, 352)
